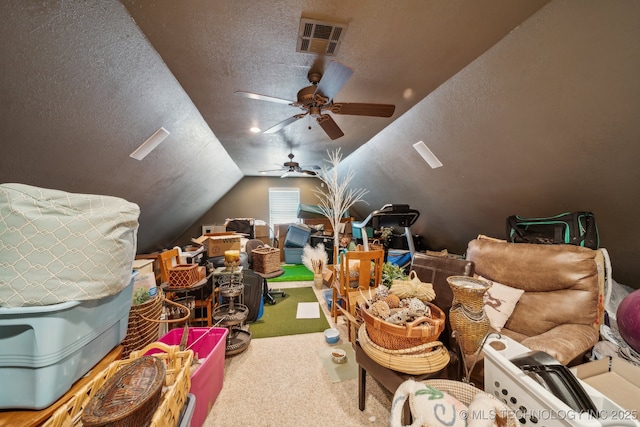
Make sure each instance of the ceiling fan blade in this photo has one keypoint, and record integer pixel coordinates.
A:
(334, 77)
(308, 172)
(284, 123)
(263, 97)
(327, 123)
(309, 167)
(361, 109)
(286, 174)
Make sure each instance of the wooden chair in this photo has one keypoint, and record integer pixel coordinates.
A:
(168, 259)
(162, 262)
(357, 272)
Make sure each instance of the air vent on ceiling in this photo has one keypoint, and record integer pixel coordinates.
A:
(320, 36)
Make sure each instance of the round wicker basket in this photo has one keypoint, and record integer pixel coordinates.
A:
(394, 337)
(422, 359)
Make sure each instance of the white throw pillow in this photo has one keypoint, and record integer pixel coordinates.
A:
(499, 302)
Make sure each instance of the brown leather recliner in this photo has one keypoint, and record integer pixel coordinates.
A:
(562, 307)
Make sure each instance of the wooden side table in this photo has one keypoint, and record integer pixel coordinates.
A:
(33, 418)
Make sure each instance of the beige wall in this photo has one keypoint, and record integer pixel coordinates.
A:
(250, 199)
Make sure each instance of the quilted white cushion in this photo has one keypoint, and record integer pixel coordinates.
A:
(57, 246)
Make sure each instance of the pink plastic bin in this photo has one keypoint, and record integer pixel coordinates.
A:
(206, 382)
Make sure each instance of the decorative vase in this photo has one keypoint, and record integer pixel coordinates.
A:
(318, 281)
(467, 316)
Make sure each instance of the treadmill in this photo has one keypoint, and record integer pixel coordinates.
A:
(390, 215)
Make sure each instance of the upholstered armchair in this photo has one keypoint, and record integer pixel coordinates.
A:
(562, 306)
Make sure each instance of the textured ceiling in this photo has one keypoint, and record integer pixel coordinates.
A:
(399, 51)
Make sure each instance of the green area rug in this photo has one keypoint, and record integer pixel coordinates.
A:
(280, 319)
(293, 273)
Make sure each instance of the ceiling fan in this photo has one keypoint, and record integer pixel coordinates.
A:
(316, 100)
(292, 167)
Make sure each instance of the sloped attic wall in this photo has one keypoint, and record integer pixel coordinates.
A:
(545, 122)
(81, 88)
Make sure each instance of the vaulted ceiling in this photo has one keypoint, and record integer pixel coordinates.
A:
(531, 106)
(399, 53)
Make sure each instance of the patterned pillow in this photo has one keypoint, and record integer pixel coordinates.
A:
(499, 302)
(57, 246)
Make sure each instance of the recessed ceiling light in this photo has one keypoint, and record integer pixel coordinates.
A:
(427, 155)
(151, 143)
(255, 129)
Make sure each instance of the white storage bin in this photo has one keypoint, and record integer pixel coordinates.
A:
(45, 349)
(534, 404)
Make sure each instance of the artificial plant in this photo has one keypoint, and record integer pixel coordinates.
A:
(337, 197)
(315, 258)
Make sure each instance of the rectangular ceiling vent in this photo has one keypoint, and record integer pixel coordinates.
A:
(320, 37)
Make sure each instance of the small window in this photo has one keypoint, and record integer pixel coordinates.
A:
(283, 205)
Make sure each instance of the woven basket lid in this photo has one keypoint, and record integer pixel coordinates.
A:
(129, 397)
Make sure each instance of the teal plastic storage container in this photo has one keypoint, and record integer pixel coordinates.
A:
(297, 236)
(45, 349)
(293, 255)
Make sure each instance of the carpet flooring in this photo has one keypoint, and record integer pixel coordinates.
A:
(281, 382)
(280, 319)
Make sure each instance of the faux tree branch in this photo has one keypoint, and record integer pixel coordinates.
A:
(338, 197)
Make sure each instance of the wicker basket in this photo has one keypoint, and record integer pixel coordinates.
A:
(265, 260)
(423, 359)
(183, 275)
(467, 315)
(144, 320)
(174, 394)
(129, 398)
(375, 245)
(394, 337)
